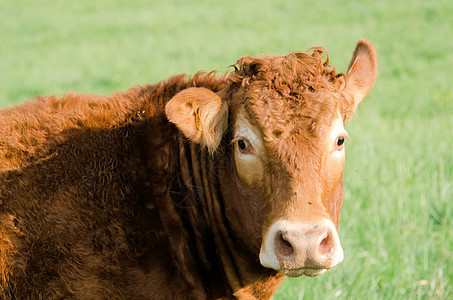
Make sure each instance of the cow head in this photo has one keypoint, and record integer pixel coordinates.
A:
(286, 121)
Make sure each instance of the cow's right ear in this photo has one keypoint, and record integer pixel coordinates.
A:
(200, 114)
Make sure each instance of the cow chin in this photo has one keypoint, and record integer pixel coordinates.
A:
(304, 271)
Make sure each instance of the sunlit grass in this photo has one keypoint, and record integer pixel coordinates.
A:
(397, 219)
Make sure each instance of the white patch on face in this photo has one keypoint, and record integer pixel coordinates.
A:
(334, 155)
(335, 134)
(249, 162)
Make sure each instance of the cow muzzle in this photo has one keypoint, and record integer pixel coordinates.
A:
(296, 249)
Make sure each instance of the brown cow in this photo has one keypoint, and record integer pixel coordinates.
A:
(191, 188)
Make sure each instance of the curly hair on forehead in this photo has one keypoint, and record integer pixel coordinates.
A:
(289, 75)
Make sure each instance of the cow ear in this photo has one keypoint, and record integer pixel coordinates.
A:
(361, 76)
(200, 114)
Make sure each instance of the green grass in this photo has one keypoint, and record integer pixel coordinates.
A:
(397, 219)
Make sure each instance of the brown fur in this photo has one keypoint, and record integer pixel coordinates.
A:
(103, 198)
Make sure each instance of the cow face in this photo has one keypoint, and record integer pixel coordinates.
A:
(287, 116)
(303, 184)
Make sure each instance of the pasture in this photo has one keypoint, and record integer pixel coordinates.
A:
(397, 219)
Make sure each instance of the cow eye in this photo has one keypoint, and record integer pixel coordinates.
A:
(244, 146)
(339, 142)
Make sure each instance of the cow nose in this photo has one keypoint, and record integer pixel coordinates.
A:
(313, 245)
(293, 247)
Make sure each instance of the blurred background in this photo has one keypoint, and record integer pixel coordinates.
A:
(397, 219)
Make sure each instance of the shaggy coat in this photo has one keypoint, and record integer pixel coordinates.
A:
(104, 198)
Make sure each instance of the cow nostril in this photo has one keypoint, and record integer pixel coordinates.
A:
(326, 245)
(283, 246)
(288, 244)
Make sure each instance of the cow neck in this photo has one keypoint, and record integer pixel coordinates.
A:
(186, 222)
(223, 255)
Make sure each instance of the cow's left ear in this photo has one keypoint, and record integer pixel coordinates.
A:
(200, 114)
(361, 76)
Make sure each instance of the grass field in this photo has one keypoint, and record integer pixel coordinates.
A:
(397, 219)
